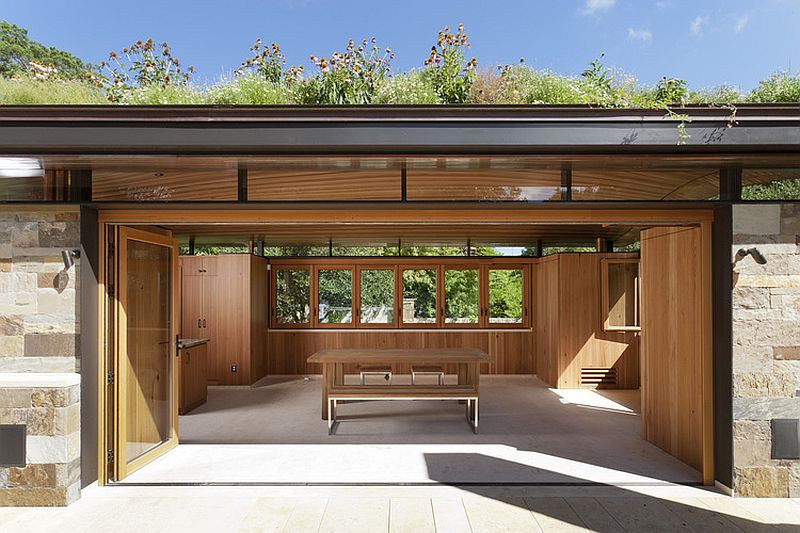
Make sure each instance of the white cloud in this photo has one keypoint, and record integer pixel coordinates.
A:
(591, 7)
(741, 22)
(696, 25)
(663, 4)
(644, 36)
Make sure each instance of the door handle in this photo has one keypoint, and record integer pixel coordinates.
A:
(204, 323)
(199, 323)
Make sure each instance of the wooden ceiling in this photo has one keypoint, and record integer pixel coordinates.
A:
(408, 234)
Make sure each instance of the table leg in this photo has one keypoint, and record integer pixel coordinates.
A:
(327, 381)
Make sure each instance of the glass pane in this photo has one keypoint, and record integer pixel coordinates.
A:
(466, 179)
(149, 339)
(505, 296)
(638, 181)
(24, 179)
(336, 296)
(292, 296)
(461, 296)
(771, 184)
(623, 294)
(419, 296)
(324, 179)
(377, 297)
(168, 184)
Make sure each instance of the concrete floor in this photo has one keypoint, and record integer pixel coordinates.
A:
(529, 434)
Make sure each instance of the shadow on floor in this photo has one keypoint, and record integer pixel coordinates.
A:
(620, 509)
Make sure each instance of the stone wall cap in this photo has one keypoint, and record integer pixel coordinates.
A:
(38, 380)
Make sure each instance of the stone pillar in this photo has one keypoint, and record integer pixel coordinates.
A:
(39, 352)
(49, 406)
(766, 346)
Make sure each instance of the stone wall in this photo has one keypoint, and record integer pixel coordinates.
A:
(766, 346)
(49, 405)
(39, 352)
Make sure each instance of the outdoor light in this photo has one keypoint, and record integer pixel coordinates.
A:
(757, 256)
(20, 167)
(69, 256)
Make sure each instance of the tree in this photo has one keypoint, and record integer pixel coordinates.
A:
(18, 51)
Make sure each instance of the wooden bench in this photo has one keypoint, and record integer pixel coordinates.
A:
(466, 393)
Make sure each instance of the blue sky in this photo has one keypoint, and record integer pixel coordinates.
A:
(706, 42)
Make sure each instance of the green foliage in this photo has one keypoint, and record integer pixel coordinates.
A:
(30, 92)
(780, 87)
(248, 89)
(335, 295)
(352, 77)
(141, 64)
(671, 91)
(266, 62)
(775, 190)
(293, 296)
(461, 296)
(419, 285)
(18, 52)
(409, 88)
(157, 94)
(451, 76)
(505, 295)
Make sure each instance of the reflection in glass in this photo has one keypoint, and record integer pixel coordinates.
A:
(419, 296)
(292, 296)
(335, 296)
(461, 297)
(505, 296)
(377, 296)
(148, 387)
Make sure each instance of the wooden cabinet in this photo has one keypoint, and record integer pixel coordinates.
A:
(224, 299)
(194, 382)
(572, 348)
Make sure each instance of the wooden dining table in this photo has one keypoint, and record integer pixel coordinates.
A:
(333, 360)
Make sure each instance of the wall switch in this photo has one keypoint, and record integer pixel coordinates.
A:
(234, 367)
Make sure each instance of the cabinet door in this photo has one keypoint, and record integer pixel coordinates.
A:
(192, 265)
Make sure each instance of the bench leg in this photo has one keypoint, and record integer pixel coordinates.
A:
(331, 415)
(475, 415)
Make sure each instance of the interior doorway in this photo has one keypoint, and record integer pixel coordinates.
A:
(153, 237)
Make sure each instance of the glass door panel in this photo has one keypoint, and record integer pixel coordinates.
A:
(146, 381)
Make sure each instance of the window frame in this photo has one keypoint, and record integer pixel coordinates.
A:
(437, 268)
(604, 293)
(273, 289)
(439, 265)
(395, 306)
(482, 296)
(354, 296)
(526, 289)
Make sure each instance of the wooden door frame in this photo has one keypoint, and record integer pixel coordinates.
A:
(702, 216)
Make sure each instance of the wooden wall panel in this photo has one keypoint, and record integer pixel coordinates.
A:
(289, 349)
(259, 281)
(568, 324)
(672, 341)
(545, 319)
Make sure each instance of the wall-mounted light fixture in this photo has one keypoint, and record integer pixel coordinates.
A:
(744, 252)
(69, 256)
